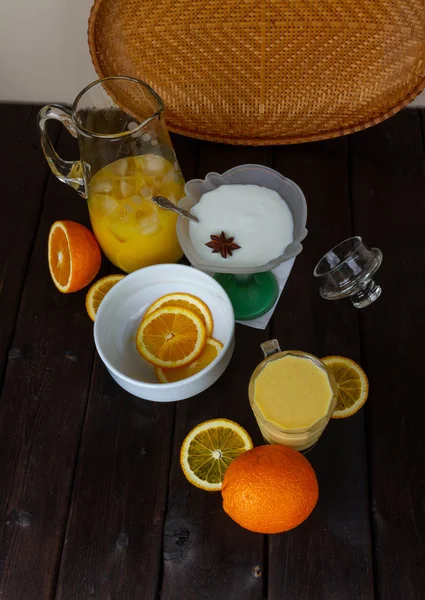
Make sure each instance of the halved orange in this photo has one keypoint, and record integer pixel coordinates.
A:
(211, 350)
(74, 256)
(352, 384)
(98, 291)
(189, 301)
(171, 337)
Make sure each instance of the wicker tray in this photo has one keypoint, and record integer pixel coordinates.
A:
(266, 71)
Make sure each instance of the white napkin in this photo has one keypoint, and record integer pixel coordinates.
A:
(281, 273)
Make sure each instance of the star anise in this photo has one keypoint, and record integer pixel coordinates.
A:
(221, 244)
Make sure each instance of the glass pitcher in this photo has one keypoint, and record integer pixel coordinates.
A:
(126, 157)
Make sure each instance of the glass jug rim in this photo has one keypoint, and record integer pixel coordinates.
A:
(122, 134)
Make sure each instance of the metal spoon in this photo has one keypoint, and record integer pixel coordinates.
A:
(168, 205)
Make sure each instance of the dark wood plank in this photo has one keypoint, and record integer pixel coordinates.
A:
(115, 530)
(388, 175)
(114, 536)
(42, 408)
(23, 178)
(206, 555)
(328, 556)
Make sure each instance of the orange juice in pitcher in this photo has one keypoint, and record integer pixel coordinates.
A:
(133, 231)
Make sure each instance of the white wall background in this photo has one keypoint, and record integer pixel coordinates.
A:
(44, 54)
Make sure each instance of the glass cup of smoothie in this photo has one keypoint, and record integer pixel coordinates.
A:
(293, 396)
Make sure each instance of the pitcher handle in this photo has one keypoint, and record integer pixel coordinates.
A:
(68, 171)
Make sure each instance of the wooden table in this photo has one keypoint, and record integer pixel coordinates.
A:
(93, 500)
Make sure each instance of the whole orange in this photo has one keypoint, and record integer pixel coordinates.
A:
(270, 489)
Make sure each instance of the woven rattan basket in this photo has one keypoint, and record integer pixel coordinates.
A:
(266, 71)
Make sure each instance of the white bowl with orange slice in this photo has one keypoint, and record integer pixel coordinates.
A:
(165, 332)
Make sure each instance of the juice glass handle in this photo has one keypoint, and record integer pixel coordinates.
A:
(270, 347)
(68, 171)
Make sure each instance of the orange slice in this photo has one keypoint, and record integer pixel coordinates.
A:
(209, 449)
(74, 256)
(352, 383)
(171, 337)
(98, 291)
(186, 301)
(211, 350)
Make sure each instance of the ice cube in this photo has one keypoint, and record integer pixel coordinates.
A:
(147, 218)
(148, 225)
(171, 176)
(146, 192)
(154, 164)
(173, 190)
(108, 205)
(124, 167)
(133, 125)
(123, 225)
(126, 187)
(103, 186)
(120, 167)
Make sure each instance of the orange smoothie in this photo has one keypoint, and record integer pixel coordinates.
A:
(293, 397)
(132, 231)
